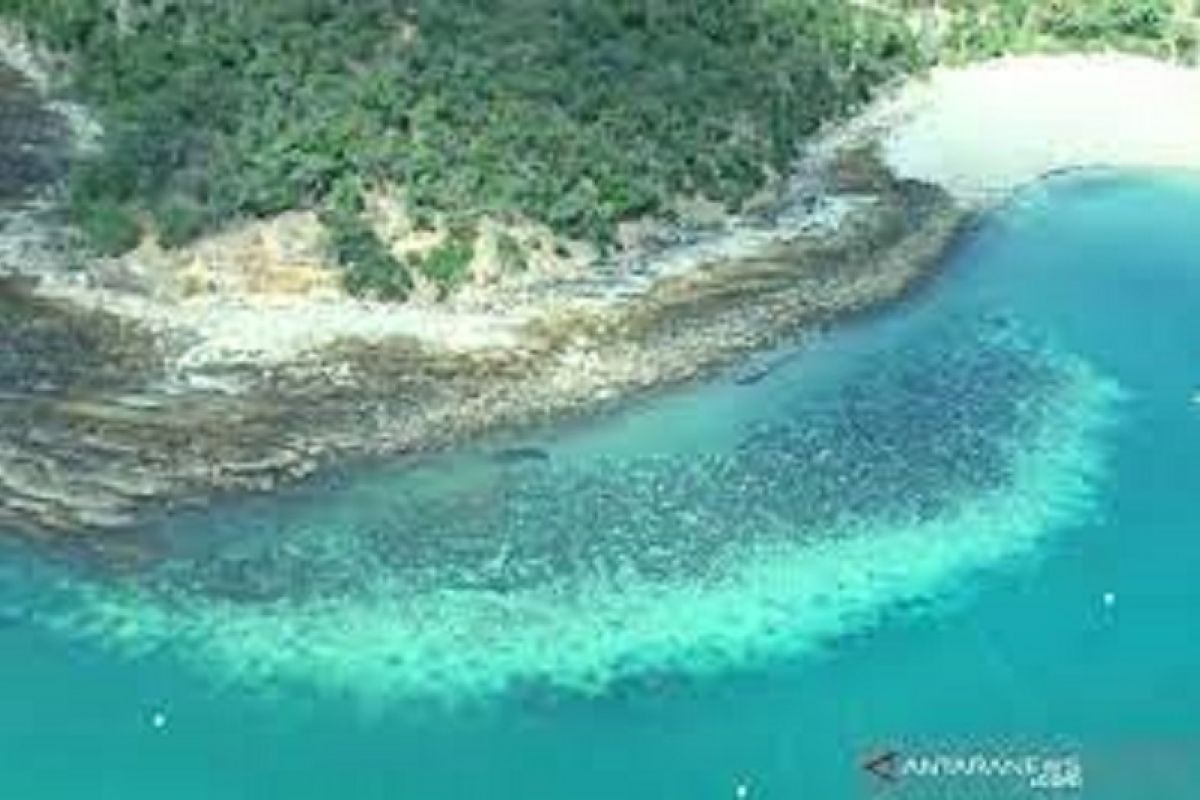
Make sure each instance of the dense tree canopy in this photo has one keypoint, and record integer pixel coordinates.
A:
(570, 112)
(574, 113)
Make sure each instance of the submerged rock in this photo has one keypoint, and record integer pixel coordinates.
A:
(914, 430)
(518, 455)
(860, 496)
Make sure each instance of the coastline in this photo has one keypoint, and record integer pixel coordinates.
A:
(159, 410)
(983, 131)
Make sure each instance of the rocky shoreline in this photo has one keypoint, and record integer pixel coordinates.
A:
(103, 423)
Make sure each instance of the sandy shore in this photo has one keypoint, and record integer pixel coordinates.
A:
(982, 131)
(218, 393)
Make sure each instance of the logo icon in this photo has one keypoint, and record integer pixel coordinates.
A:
(883, 766)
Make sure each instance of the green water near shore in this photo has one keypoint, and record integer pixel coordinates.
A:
(965, 523)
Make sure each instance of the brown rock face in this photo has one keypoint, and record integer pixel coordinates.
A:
(102, 425)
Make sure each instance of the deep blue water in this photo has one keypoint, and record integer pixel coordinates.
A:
(963, 525)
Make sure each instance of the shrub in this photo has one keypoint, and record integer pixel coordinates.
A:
(370, 268)
(447, 264)
(179, 220)
(110, 228)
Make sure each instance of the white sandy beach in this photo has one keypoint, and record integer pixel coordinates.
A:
(984, 130)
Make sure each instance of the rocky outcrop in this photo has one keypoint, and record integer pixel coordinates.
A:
(119, 402)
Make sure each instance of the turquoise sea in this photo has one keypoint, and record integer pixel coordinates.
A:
(966, 525)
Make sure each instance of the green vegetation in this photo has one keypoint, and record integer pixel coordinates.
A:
(574, 113)
(370, 267)
(446, 265)
(985, 28)
(109, 227)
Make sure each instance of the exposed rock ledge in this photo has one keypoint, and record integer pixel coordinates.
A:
(117, 402)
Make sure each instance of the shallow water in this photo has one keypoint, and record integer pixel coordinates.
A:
(964, 525)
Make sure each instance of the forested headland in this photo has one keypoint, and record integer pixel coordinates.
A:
(573, 114)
